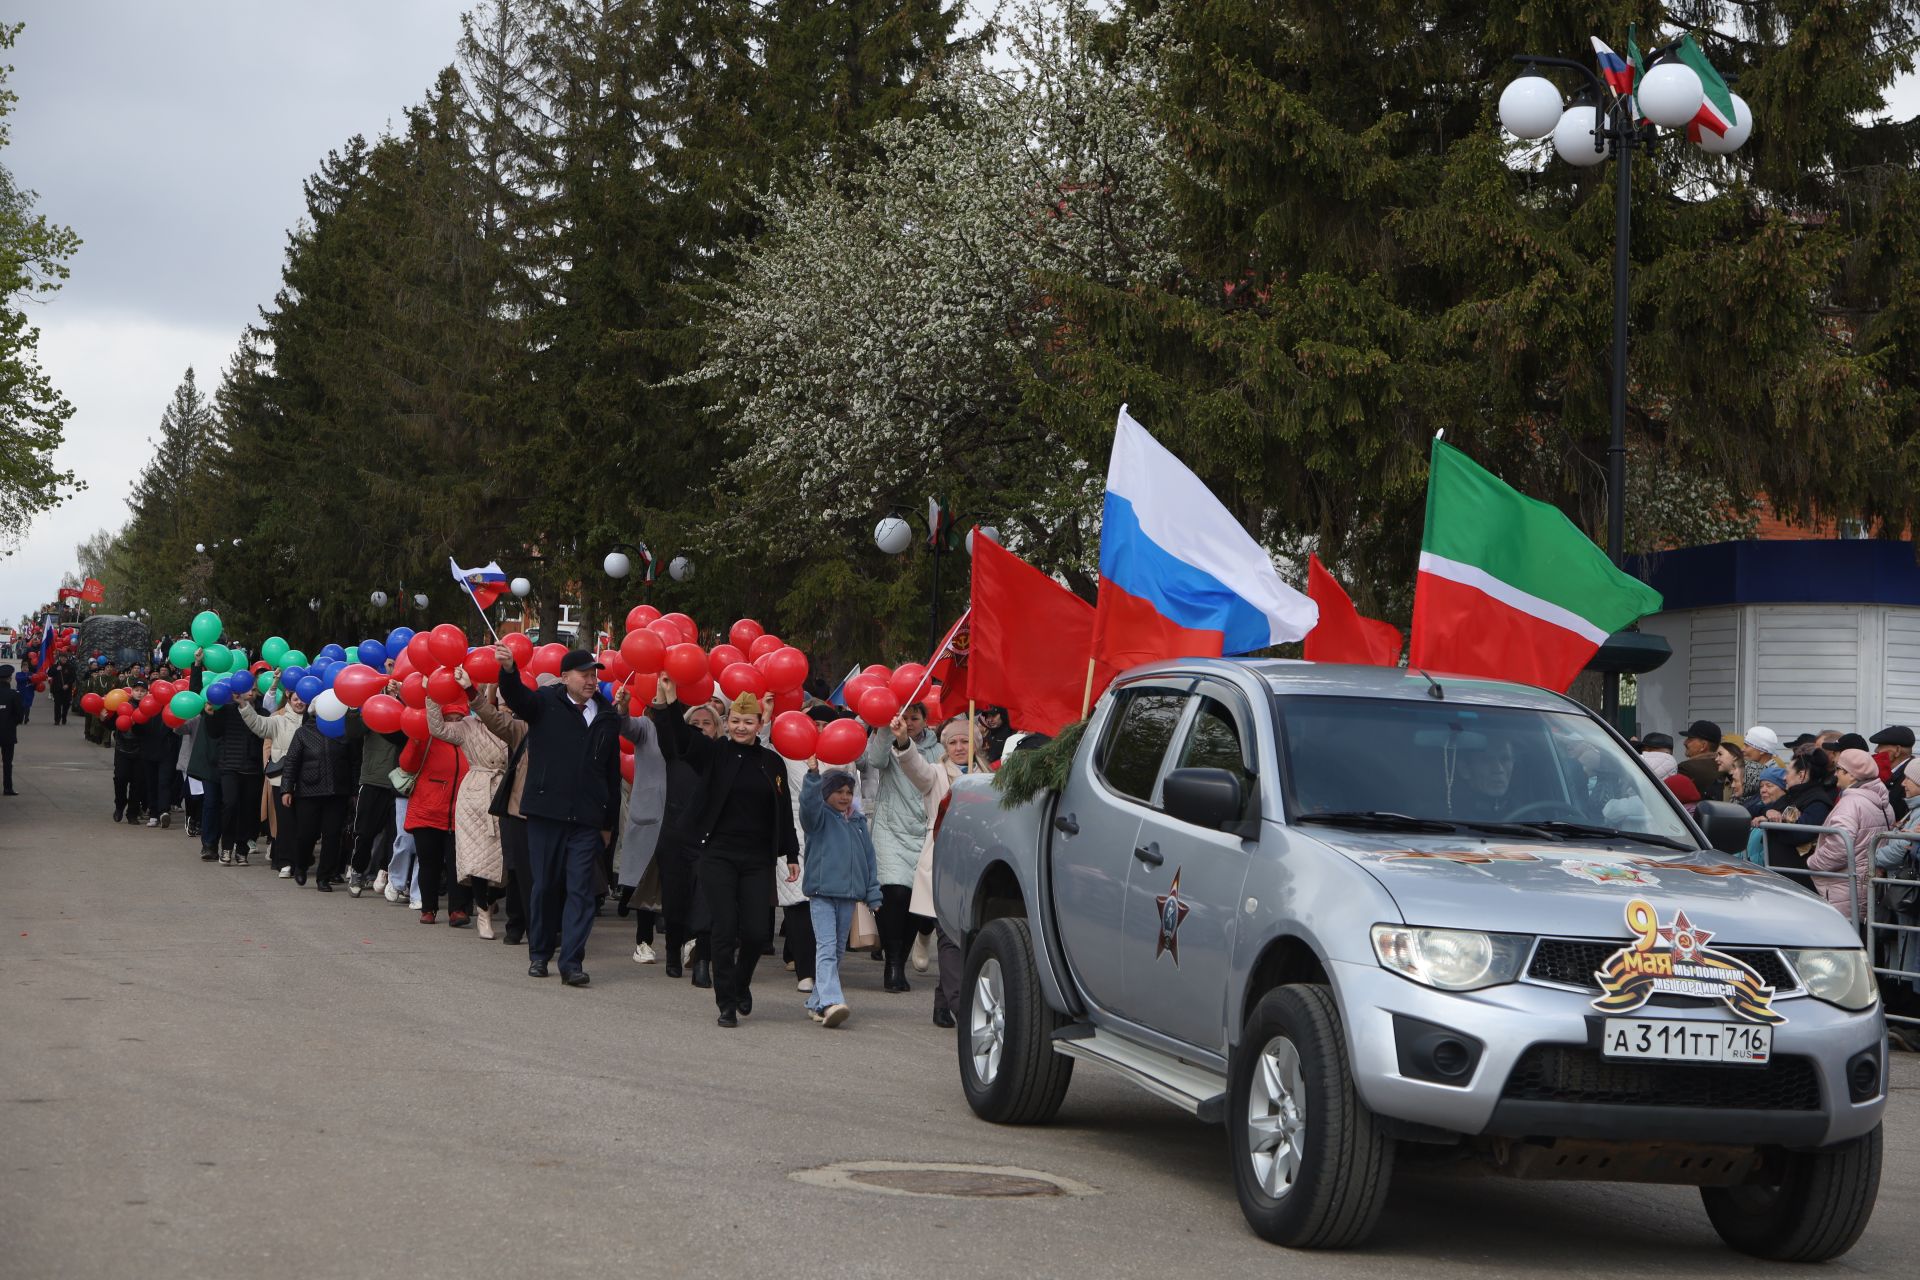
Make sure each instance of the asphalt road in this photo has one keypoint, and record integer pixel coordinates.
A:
(205, 1072)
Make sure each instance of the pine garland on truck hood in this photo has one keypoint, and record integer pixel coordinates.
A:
(1025, 774)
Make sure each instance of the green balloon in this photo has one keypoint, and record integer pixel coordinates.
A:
(206, 628)
(217, 658)
(291, 658)
(272, 648)
(353, 653)
(181, 653)
(265, 682)
(187, 704)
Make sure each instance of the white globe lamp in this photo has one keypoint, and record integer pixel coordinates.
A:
(1670, 95)
(379, 599)
(892, 535)
(681, 570)
(1573, 139)
(1738, 131)
(617, 565)
(521, 587)
(1530, 107)
(986, 531)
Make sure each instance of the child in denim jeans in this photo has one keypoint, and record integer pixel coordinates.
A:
(840, 874)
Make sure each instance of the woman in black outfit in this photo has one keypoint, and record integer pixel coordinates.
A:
(316, 781)
(1809, 798)
(741, 819)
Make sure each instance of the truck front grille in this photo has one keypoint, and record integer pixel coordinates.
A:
(1574, 1073)
(1571, 962)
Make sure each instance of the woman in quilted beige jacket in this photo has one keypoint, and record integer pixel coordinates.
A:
(476, 832)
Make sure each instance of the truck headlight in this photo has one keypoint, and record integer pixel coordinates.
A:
(1450, 959)
(1840, 977)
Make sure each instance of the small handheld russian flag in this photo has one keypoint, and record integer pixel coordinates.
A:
(1618, 74)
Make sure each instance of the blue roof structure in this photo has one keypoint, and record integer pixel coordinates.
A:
(1815, 571)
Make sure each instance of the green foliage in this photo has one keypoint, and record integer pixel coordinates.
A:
(1025, 774)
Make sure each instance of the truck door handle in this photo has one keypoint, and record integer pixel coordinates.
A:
(1065, 825)
(1149, 854)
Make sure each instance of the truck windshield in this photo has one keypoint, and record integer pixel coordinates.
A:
(1381, 760)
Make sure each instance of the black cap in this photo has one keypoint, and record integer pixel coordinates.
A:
(1894, 735)
(1657, 742)
(579, 660)
(1705, 730)
(1801, 741)
(1850, 742)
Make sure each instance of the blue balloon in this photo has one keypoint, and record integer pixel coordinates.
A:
(331, 728)
(606, 691)
(219, 693)
(397, 639)
(292, 676)
(332, 673)
(374, 654)
(309, 688)
(334, 651)
(239, 682)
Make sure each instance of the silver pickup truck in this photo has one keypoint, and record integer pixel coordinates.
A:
(1365, 917)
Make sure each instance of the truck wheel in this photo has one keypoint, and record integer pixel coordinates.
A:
(1817, 1211)
(1007, 1063)
(1310, 1162)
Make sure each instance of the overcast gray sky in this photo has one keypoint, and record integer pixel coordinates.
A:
(173, 136)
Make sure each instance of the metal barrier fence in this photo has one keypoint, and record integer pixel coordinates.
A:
(1851, 875)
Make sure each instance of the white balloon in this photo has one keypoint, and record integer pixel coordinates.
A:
(1573, 138)
(892, 535)
(328, 706)
(1737, 132)
(617, 565)
(1530, 107)
(1670, 94)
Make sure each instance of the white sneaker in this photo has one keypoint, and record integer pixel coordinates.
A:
(838, 1014)
(387, 891)
(413, 904)
(643, 953)
(286, 873)
(806, 984)
(919, 956)
(686, 953)
(153, 822)
(380, 882)
(483, 921)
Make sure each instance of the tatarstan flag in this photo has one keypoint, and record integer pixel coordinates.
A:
(1716, 105)
(1509, 588)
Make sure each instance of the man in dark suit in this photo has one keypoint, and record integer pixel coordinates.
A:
(571, 802)
(9, 733)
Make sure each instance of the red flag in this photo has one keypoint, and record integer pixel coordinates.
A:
(948, 667)
(1031, 641)
(93, 592)
(1342, 635)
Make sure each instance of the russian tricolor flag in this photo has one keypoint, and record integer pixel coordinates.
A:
(485, 584)
(1179, 576)
(1618, 74)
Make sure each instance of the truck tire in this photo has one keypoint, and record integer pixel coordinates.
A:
(1005, 1030)
(1310, 1162)
(1817, 1211)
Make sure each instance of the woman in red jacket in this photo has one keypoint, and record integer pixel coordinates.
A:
(440, 766)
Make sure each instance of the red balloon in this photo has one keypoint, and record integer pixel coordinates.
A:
(688, 632)
(443, 688)
(765, 645)
(687, 664)
(151, 704)
(626, 747)
(744, 632)
(402, 667)
(520, 645)
(640, 615)
(905, 681)
(644, 650)
(91, 703)
(878, 707)
(382, 713)
(856, 689)
(786, 669)
(413, 690)
(413, 722)
(841, 742)
(482, 666)
(172, 721)
(879, 672)
(667, 630)
(641, 690)
(613, 667)
(420, 649)
(161, 689)
(448, 645)
(626, 765)
(790, 701)
(742, 678)
(721, 657)
(356, 683)
(697, 692)
(795, 735)
(123, 722)
(546, 659)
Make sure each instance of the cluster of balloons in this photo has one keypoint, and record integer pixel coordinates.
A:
(751, 661)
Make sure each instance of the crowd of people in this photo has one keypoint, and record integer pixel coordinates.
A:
(517, 809)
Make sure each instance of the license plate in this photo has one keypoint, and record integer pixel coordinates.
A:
(1669, 1041)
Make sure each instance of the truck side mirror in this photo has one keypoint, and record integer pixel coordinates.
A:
(1209, 798)
(1726, 825)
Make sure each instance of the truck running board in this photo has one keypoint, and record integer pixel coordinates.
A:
(1196, 1090)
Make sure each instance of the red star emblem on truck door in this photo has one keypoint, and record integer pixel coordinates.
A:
(1172, 912)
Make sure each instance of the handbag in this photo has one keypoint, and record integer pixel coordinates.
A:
(865, 933)
(402, 781)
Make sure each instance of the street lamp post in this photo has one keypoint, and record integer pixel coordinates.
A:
(1670, 95)
(893, 535)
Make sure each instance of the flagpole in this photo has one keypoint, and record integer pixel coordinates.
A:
(926, 677)
(1086, 698)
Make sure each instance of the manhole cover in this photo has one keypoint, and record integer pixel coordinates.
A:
(943, 1181)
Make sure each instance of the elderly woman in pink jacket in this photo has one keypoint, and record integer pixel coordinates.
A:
(1861, 810)
(933, 779)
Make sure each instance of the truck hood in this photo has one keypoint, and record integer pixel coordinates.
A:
(1581, 889)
